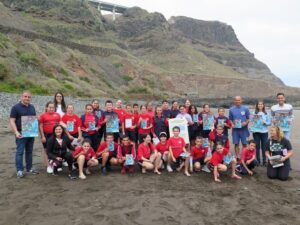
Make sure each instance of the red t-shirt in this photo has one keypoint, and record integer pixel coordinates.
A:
(89, 120)
(88, 155)
(126, 150)
(150, 113)
(217, 157)
(145, 151)
(132, 118)
(247, 154)
(177, 145)
(162, 148)
(72, 122)
(104, 146)
(149, 120)
(49, 120)
(121, 112)
(198, 152)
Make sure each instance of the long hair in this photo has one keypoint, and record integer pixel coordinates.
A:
(190, 109)
(263, 109)
(63, 104)
(279, 133)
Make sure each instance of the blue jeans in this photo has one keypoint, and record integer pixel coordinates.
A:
(27, 145)
(261, 143)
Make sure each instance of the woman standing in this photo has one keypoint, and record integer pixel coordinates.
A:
(278, 145)
(59, 103)
(260, 134)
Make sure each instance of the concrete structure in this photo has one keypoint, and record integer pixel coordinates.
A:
(114, 8)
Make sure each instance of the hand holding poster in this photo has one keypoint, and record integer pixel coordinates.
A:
(70, 126)
(112, 124)
(256, 123)
(182, 124)
(30, 126)
(208, 121)
(237, 123)
(129, 160)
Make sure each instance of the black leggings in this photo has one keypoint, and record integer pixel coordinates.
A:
(67, 157)
(281, 173)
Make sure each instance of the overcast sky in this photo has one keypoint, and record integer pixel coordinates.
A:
(268, 28)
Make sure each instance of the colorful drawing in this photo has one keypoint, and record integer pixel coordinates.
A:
(208, 121)
(92, 126)
(143, 124)
(205, 142)
(111, 147)
(283, 121)
(30, 126)
(237, 123)
(112, 124)
(128, 123)
(70, 126)
(181, 123)
(256, 123)
(129, 160)
(195, 118)
(221, 122)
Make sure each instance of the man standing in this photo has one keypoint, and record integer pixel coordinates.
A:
(22, 109)
(239, 116)
(282, 114)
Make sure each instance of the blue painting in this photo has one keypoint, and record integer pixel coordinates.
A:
(208, 121)
(112, 124)
(256, 123)
(129, 160)
(30, 126)
(70, 126)
(143, 124)
(283, 121)
(237, 123)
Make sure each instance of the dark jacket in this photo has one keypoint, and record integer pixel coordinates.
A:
(54, 149)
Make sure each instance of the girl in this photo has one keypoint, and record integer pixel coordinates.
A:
(248, 159)
(174, 109)
(47, 121)
(59, 103)
(261, 136)
(57, 146)
(72, 124)
(277, 144)
(145, 123)
(223, 120)
(150, 110)
(199, 157)
(218, 164)
(187, 105)
(129, 124)
(126, 148)
(163, 147)
(90, 126)
(176, 151)
(194, 128)
(148, 157)
(206, 114)
(107, 153)
(160, 123)
(85, 157)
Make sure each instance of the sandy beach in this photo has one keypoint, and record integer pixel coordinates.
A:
(145, 199)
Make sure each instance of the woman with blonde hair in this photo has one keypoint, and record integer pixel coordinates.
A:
(278, 147)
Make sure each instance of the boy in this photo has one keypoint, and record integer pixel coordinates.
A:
(177, 152)
(218, 164)
(199, 156)
(129, 124)
(126, 148)
(248, 159)
(163, 147)
(223, 121)
(218, 136)
(107, 153)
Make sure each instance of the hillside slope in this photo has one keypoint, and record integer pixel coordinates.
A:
(68, 45)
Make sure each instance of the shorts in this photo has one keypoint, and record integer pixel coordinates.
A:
(200, 160)
(47, 136)
(132, 135)
(240, 134)
(179, 161)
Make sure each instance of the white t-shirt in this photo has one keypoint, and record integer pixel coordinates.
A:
(59, 110)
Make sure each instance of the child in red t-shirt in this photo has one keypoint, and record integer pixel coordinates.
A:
(84, 157)
(248, 159)
(199, 156)
(148, 157)
(47, 121)
(163, 147)
(129, 124)
(125, 150)
(219, 164)
(107, 152)
(218, 135)
(178, 153)
(145, 123)
(72, 123)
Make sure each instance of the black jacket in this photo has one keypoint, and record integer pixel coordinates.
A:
(54, 149)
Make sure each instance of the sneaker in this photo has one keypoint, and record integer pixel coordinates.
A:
(82, 176)
(20, 174)
(55, 171)
(64, 163)
(205, 169)
(72, 175)
(59, 169)
(33, 171)
(103, 171)
(187, 174)
(49, 169)
(87, 171)
(169, 168)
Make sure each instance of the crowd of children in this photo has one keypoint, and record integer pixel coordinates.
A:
(139, 135)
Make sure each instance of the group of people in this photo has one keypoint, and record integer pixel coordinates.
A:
(140, 135)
